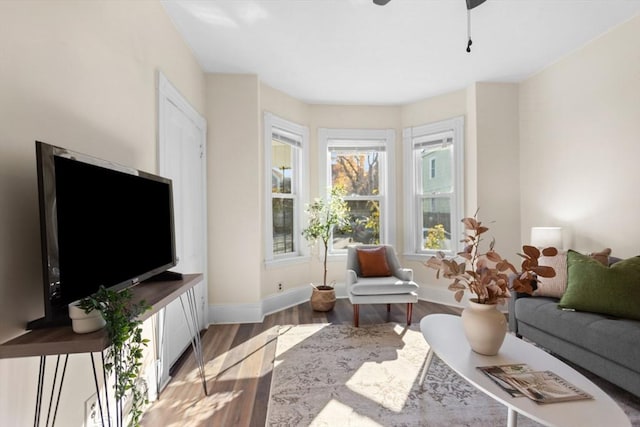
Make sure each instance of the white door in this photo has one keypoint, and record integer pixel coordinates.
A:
(181, 157)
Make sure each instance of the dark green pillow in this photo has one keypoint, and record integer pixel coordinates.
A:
(594, 287)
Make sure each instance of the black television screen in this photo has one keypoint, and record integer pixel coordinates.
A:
(101, 224)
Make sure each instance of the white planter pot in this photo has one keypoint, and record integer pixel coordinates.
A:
(83, 323)
(484, 326)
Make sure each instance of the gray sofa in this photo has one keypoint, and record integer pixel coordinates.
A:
(607, 346)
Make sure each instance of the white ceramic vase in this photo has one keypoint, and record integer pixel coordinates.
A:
(83, 323)
(484, 326)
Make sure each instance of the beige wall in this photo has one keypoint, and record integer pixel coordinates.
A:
(497, 152)
(580, 144)
(441, 107)
(81, 75)
(235, 197)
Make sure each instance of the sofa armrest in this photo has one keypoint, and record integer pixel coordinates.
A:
(513, 320)
(405, 274)
(351, 279)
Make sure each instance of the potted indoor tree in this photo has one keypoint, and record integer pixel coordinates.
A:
(125, 354)
(324, 216)
(485, 274)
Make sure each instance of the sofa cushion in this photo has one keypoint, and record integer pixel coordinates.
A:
(597, 288)
(553, 286)
(612, 338)
(382, 286)
(602, 257)
(373, 262)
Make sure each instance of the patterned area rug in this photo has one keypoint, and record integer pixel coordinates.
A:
(337, 375)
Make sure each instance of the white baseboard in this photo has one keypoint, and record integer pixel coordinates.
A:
(439, 295)
(289, 298)
(255, 312)
(235, 313)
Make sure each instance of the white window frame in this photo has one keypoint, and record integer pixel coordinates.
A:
(352, 138)
(413, 186)
(298, 190)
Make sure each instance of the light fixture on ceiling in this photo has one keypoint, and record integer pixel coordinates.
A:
(470, 5)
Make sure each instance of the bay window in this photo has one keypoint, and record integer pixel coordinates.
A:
(360, 161)
(285, 148)
(433, 163)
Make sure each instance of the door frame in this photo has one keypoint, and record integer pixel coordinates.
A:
(167, 93)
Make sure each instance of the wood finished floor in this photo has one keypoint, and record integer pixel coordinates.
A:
(239, 361)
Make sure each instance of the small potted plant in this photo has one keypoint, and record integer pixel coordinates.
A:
(124, 356)
(486, 275)
(324, 216)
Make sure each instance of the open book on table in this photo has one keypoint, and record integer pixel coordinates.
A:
(540, 386)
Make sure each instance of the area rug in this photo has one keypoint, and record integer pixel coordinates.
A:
(338, 375)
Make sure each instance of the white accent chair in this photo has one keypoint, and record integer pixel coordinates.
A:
(398, 287)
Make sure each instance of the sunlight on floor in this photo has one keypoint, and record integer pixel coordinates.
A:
(401, 377)
(338, 412)
(366, 381)
(195, 411)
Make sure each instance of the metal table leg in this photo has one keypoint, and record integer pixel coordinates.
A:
(55, 392)
(425, 368)
(192, 324)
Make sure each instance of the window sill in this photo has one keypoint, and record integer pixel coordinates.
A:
(424, 256)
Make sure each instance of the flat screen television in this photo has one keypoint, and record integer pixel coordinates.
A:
(100, 224)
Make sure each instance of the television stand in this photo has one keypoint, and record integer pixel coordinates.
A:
(43, 322)
(62, 341)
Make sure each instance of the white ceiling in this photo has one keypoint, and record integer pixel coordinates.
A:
(354, 52)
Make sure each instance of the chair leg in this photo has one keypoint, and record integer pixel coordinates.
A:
(388, 308)
(356, 315)
(409, 313)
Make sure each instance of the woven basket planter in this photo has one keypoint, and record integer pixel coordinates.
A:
(323, 298)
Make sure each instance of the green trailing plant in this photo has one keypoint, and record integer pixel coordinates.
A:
(324, 216)
(124, 356)
(486, 274)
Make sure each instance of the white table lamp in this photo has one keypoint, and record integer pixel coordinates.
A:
(544, 237)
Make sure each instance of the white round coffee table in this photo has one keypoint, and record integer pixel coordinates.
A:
(444, 334)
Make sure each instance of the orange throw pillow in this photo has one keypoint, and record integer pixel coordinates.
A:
(373, 262)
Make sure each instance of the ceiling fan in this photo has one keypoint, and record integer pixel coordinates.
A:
(470, 5)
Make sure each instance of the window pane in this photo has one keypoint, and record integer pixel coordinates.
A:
(436, 223)
(358, 172)
(281, 167)
(436, 169)
(364, 224)
(282, 225)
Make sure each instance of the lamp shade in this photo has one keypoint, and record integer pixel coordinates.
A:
(544, 237)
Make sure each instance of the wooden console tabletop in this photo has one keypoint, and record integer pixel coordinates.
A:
(62, 340)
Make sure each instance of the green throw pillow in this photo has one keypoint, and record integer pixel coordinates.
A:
(594, 287)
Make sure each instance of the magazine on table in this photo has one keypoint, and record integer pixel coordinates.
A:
(539, 386)
(496, 372)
